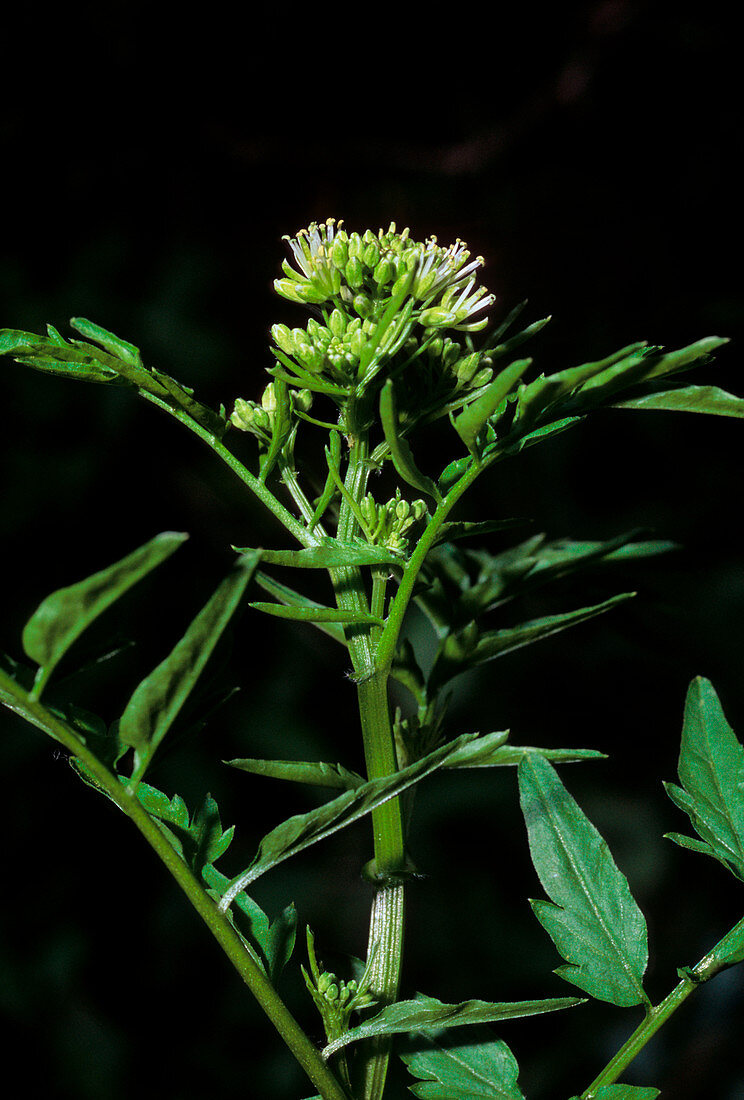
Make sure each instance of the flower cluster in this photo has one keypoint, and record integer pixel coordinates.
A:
(388, 523)
(334, 998)
(358, 272)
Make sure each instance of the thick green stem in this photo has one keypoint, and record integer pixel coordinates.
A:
(238, 954)
(710, 965)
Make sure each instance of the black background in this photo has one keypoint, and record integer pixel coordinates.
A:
(151, 162)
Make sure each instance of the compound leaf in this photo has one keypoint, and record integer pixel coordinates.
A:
(593, 920)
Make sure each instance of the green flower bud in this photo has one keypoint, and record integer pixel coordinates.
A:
(401, 283)
(282, 337)
(482, 378)
(357, 342)
(356, 246)
(340, 251)
(302, 400)
(354, 273)
(402, 509)
(436, 317)
(371, 254)
(268, 399)
(467, 367)
(363, 304)
(337, 323)
(243, 415)
(384, 272)
(299, 292)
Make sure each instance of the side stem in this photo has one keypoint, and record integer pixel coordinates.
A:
(719, 958)
(239, 956)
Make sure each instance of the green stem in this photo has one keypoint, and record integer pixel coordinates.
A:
(238, 954)
(710, 965)
(399, 606)
(256, 486)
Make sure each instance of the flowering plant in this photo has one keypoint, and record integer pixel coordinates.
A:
(389, 348)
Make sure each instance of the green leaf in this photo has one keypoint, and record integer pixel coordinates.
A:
(63, 616)
(594, 922)
(156, 702)
(626, 1092)
(711, 770)
(288, 596)
(482, 1068)
(54, 355)
(124, 358)
(452, 532)
(473, 419)
(332, 554)
(697, 399)
(272, 941)
(316, 773)
(427, 1013)
(400, 450)
(316, 614)
(114, 345)
(458, 654)
(299, 832)
(490, 751)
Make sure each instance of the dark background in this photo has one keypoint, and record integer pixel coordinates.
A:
(151, 162)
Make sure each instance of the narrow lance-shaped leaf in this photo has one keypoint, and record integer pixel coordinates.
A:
(594, 920)
(456, 657)
(626, 1092)
(291, 598)
(400, 450)
(157, 701)
(429, 1014)
(711, 770)
(63, 616)
(332, 554)
(697, 399)
(317, 614)
(302, 830)
(315, 773)
(479, 1068)
(490, 751)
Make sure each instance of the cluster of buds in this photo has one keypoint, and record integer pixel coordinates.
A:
(359, 272)
(334, 998)
(257, 419)
(388, 523)
(333, 349)
(443, 372)
(262, 419)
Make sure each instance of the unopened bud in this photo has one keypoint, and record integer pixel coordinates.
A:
(268, 399)
(282, 337)
(436, 317)
(337, 323)
(355, 273)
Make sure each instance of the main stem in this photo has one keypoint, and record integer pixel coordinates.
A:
(387, 915)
